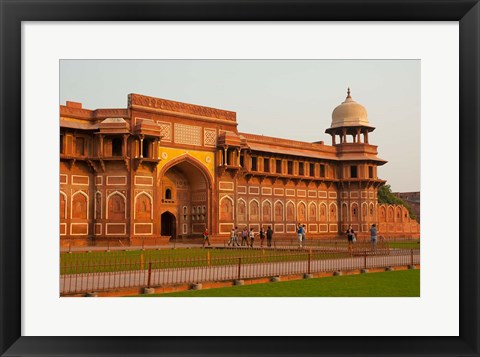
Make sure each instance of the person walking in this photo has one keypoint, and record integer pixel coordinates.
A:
(350, 236)
(269, 236)
(262, 236)
(205, 238)
(304, 235)
(300, 235)
(244, 237)
(252, 237)
(373, 236)
(232, 237)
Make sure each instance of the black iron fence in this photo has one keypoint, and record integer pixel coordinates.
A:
(94, 275)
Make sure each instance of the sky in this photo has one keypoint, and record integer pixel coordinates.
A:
(291, 99)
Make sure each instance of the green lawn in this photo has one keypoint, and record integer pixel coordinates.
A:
(405, 283)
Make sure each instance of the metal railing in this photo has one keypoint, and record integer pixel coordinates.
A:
(82, 276)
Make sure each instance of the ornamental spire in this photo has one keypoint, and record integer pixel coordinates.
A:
(348, 93)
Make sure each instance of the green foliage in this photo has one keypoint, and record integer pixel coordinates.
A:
(385, 195)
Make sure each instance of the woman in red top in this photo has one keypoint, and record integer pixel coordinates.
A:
(205, 238)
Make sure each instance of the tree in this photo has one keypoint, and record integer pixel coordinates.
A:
(385, 195)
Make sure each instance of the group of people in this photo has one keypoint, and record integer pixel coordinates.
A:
(247, 235)
(373, 235)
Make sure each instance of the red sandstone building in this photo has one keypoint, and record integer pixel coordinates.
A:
(160, 169)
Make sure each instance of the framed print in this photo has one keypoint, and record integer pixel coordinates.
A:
(131, 176)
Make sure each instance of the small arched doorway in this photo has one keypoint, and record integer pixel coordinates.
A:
(168, 224)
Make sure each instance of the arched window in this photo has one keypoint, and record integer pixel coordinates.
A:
(168, 194)
(312, 212)
(354, 217)
(278, 211)
(266, 211)
(290, 212)
(301, 216)
(226, 209)
(79, 206)
(242, 211)
(116, 207)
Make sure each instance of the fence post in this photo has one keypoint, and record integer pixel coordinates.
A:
(239, 267)
(149, 274)
(411, 256)
(208, 258)
(309, 259)
(365, 259)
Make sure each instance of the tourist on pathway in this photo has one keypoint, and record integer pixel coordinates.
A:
(262, 236)
(350, 236)
(205, 238)
(300, 235)
(233, 235)
(252, 237)
(244, 237)
(269, 236)
(373, 236)
(304, 235)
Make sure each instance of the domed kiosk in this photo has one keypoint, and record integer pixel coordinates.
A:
(349, 118)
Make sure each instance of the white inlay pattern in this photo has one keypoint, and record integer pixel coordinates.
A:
(188, 134)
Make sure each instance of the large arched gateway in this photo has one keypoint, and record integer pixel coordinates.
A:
(185, 195)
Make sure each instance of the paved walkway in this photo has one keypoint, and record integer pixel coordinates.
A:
(79, 283)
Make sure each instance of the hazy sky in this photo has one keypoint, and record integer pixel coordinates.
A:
(291, 99)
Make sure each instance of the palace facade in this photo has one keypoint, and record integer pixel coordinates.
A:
(161, 169)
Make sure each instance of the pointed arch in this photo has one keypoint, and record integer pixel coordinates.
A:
(266, 211)
(398, 214)
(312, 212)
(390, 214)
(241, 210)
(116, 206)
(333, 212)
(226, 208)
(144, 208)
(344, 212)
(301, 212)
(382, 213)
(254, 210)
(79, 205)
(323, 212)
(364, 216)
(405, 214)
(354, 212)
(279, 211)
(372, 212)
(290, 211)
(194, 162)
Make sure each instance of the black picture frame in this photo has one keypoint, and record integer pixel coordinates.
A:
(467, 12)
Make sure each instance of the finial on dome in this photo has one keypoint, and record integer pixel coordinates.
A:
(348, 93)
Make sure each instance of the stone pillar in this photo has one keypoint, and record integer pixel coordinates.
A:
(225, 157)
(156, 147)
(124, 147)
(239, 150)
(101, 145)
(141, 146)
